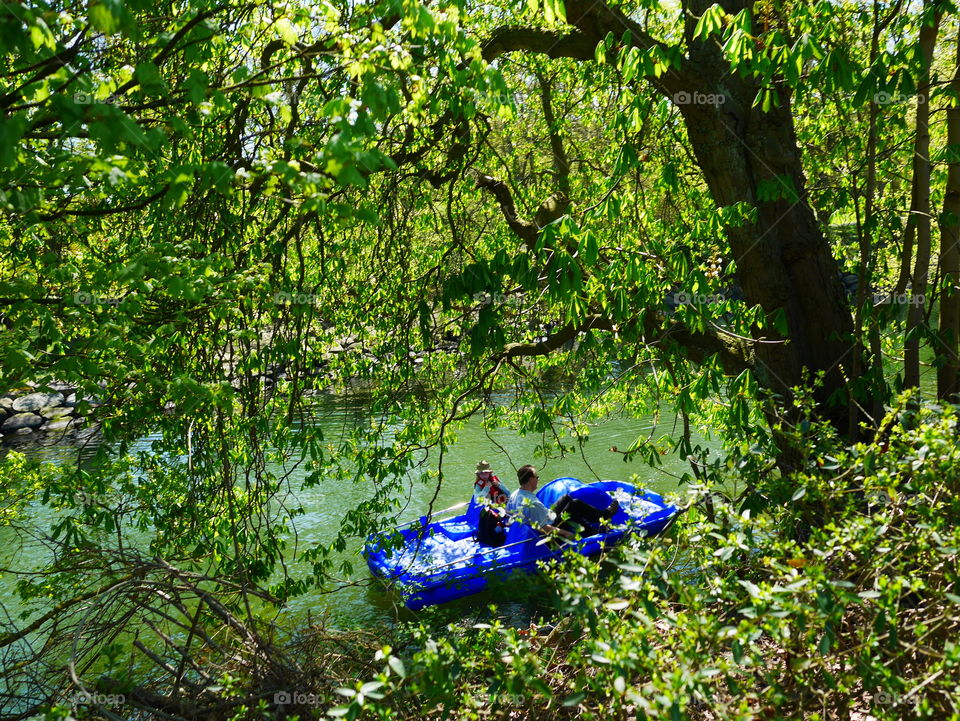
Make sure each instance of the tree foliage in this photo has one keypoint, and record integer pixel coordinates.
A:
(214, 210)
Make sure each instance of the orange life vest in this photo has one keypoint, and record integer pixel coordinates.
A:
(491, 486)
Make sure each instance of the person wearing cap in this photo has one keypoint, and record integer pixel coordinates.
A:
(572, 511)
(491, 495)
(488, 486)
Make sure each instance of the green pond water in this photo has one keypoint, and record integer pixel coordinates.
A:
(362, 601)
(506, 451)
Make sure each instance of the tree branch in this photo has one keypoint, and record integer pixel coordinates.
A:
(561, 165)
(594, 21)
(553, 44)
(556, 340)
(736, 355)
(526, 230)
(91, 212)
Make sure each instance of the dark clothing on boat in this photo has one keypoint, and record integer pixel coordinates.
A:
(493, 520)
(568, 513)
(492, 527)
(574, 515)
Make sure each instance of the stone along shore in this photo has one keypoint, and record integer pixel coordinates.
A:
(30, 411)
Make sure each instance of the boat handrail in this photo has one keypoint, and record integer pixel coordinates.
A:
(434, 514)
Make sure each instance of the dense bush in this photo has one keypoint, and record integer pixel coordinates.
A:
(749, 616)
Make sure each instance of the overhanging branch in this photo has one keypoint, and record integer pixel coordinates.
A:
(735, 355)
(556, 340)
(594, 20)
(561, 164)
(526, 230)
(553, 44)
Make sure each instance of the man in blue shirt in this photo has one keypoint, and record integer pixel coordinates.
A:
(525, 504)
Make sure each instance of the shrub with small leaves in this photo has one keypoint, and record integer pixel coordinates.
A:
(741, 617)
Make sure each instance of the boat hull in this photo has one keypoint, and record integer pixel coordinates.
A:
(440, 561)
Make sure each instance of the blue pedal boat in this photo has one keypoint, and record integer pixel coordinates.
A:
(434, 561)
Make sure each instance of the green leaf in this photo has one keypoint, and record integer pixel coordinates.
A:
(600, 53)
(631, 62)
(349, 175)
(710, 22)
(589, 249)
(148, 75)
(780, 322)
(286, 31)
(825, 644)
(396, 665)
(105, 15)
(560, 10)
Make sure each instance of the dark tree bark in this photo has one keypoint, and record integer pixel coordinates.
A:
(783, 259)
(561, 164)
(948, 375)
(921, 182)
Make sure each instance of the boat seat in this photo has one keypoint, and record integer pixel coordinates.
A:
(473, 513)
(465, 528)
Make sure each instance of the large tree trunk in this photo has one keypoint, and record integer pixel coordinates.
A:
(948, 375)
(784, 262)
(921, 181)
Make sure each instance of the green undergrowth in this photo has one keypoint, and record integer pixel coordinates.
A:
(838, 600)
(826, 594)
